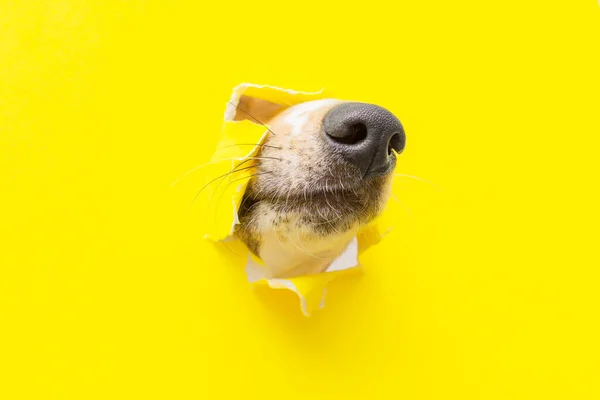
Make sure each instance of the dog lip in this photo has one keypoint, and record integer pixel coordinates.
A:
(384, 170)
(378, 172)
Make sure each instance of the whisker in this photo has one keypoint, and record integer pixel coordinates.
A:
(243, 162)
(327, 221)
(218, 177)
(287, 199)
(253, 117)
(277, 237)
(257, 194)
(304, 247)
(229, 248)
(329, 204)
(404, 206)
(252, 144)
(224, 177)
(231, 183)
(220, 160)
(342, 184)
(417, 178)
(176, 181)
(248, 176)
(237, 180)
(302, 250)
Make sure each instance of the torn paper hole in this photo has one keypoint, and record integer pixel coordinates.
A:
(231, 151)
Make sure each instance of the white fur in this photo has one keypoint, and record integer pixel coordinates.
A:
(302, 113)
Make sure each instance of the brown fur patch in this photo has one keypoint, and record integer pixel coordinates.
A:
(256, 110)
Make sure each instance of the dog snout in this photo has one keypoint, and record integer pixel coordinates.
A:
(365, 135)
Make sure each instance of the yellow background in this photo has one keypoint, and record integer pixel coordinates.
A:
(486, 290)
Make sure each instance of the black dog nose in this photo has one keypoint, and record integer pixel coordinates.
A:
(365, 135)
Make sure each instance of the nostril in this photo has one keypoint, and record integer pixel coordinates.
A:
(364, 135)
(395, 143)
(352, 134)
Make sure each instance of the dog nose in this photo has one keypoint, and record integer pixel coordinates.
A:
(365, 135)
